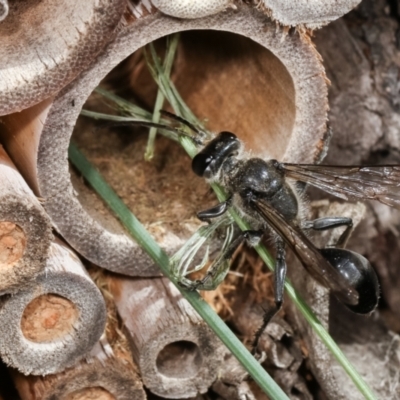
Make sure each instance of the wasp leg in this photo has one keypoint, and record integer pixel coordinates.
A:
(220, 267)
(215, 211)
(321, 224)
(280, 274)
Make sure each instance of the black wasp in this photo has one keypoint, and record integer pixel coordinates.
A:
(266, 194)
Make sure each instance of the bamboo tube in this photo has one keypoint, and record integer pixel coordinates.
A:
(177, 354)
(101, 377)
(3, 9)
(46, 44)
(25, 229)
(310, 13)
(291, 115)
(56, 321)
(192, 9)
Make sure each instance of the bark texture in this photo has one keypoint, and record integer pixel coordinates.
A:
(362, 58)
(361, 55)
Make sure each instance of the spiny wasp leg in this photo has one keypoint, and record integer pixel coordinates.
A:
(268, 315)
(279, 278)
(280, 271)
(220, 267)
(325, 223)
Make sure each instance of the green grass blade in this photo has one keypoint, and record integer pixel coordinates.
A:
(169, 60)
(125, 106)
(116, 118)
(107, 117)
(144, 239)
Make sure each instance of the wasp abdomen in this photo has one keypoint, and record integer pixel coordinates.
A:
(360, 275)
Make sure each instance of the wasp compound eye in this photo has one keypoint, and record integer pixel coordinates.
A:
(227, 136)
(208, 162)
(360, 275)
(200, 163)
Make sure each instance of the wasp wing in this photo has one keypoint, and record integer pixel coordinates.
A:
(380, 183)
(318, 267)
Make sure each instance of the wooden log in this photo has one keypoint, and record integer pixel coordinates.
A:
(46, 44)
(25, 229)
(177, 354)
(372, 349)
(232, 382)
(102, 376)
(291, 115)
(281, 347)
(56, 321)
(361, 56)
(311, 14)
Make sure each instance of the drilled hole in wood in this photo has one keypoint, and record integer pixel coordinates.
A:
(12, 244)
(180, 360)
(48, 317)
(94, 393)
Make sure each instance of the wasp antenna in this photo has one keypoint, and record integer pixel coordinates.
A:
(181, 120)
(145, 124)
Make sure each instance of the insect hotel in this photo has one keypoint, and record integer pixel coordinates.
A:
(199, 199)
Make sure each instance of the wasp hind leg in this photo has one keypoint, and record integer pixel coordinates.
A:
(279, 284)
(325, 223)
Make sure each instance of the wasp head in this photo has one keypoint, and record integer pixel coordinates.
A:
(208, 162)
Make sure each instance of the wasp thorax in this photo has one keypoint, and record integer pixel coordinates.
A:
(259, 176)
